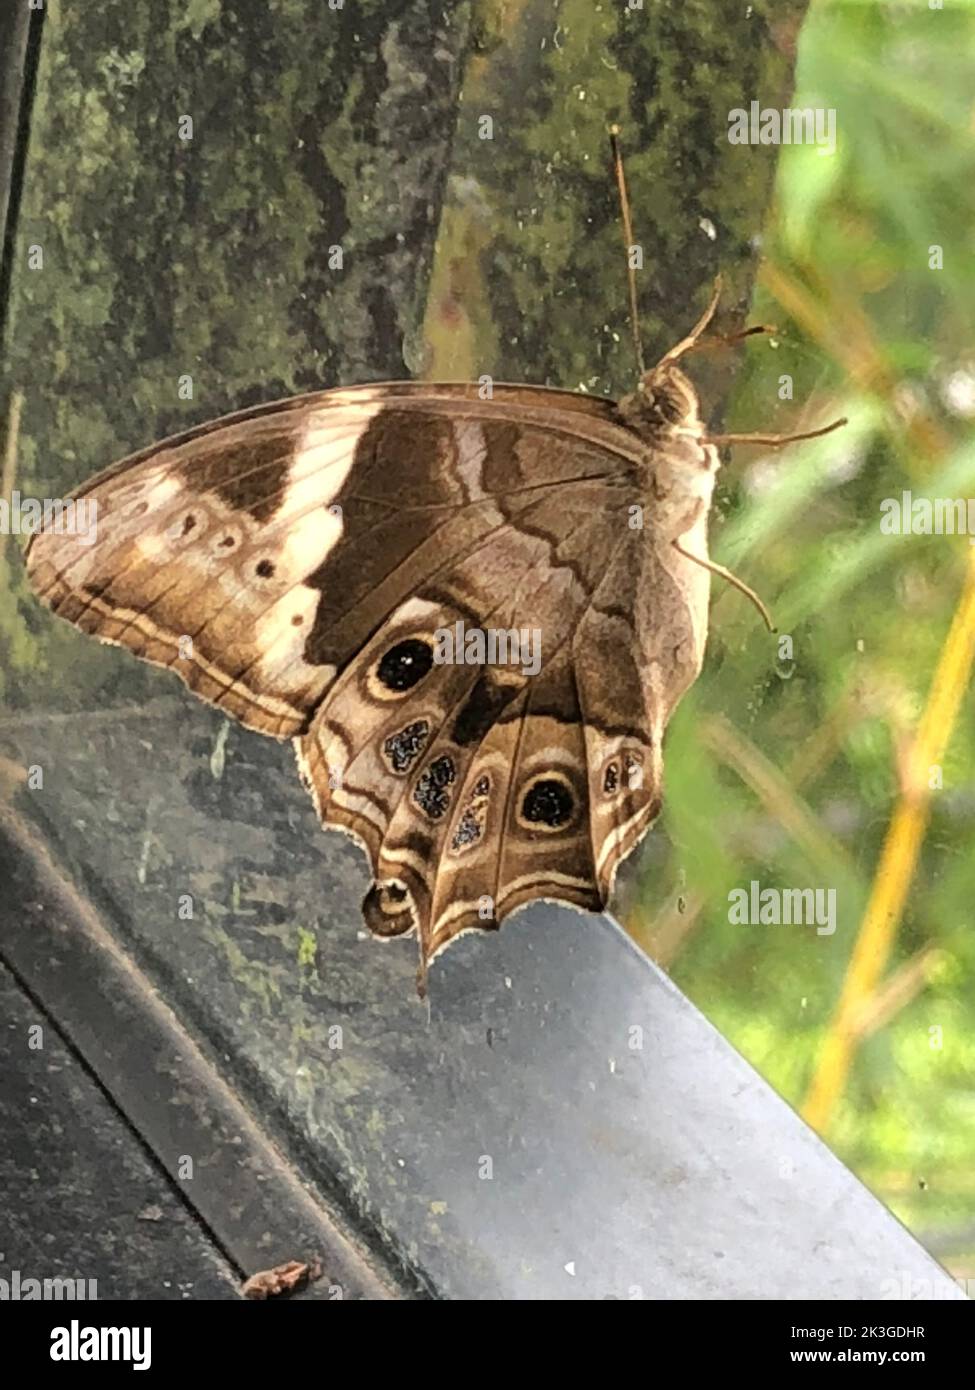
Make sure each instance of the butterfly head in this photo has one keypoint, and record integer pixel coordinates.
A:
(664, 403)
(665, 413)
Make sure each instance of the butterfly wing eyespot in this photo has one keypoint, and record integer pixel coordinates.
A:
(404, 665)
(432, 791)
(548, 804)
(387, 910)
(404, 747)
(469, 827)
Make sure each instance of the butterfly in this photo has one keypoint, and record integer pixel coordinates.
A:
(299, 564)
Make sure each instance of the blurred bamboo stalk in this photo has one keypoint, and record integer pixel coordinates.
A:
(898, 859)
(779, 798)
(896, 992)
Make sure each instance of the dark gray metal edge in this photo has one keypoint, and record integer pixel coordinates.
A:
(259, 1210)
(134, 1238)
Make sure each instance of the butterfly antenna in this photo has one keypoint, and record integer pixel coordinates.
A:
(628, 242)
(732, 579)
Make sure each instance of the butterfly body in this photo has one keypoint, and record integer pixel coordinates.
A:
(296, 565)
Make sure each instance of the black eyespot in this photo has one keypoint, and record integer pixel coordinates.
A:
(188, 524)
(430, 793)
(405, 665)
(265, 569)
(547, 802)
(611, 779)
(227, 542)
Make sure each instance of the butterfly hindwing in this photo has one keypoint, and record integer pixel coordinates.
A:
(470, 783)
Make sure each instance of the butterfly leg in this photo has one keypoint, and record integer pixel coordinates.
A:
(723, 573)
(774, 441)
(689, 343)
(727, 340)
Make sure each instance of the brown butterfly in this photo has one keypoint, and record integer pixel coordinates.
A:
(299, 565)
